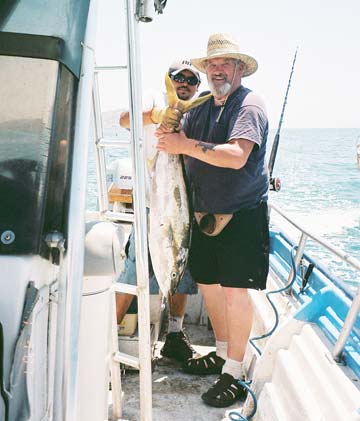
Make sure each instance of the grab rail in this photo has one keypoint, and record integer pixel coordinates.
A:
(355, 305)
(139, 217)
(102, 143)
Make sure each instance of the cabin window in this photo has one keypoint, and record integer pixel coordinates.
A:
(28, 93)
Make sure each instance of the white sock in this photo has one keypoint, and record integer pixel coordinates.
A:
(221, 349)
(175, 323)
(234, 368)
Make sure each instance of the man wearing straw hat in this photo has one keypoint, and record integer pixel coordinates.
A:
(224, 141)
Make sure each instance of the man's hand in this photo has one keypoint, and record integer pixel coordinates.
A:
(167, 117)
(175, 143)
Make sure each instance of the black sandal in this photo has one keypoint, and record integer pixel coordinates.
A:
(224, 392)
(207, 364)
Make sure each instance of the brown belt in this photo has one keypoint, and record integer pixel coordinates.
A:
(212, 223)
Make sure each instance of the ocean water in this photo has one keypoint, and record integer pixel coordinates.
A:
(320, 188)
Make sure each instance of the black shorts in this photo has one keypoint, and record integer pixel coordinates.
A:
(239, 256)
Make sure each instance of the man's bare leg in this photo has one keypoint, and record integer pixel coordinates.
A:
(215, 306)
(177, 304)
(239, 317)
(239, 314)
(177, 345)
(123, 302)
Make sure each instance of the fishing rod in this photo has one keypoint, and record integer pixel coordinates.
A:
(275, 183)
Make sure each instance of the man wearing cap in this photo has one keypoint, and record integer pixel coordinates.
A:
(224, 141)
(186, 80)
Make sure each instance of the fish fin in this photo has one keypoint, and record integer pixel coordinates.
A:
(185, 106)
(181, 104)
(170, 91)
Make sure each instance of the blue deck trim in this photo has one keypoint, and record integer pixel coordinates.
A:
(323, 301)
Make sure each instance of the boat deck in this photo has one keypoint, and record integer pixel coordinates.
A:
(176, 395)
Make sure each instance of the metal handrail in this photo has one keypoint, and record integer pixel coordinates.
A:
(347, 326)
(100, 153)
(101, 68)
(354, 309)
(143, 363)
(140, 225)
(102, 143)
(343, 256)
(113, 143)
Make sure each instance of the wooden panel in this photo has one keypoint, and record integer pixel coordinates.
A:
(117, 194)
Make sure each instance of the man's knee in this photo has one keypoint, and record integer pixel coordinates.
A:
(234, 296)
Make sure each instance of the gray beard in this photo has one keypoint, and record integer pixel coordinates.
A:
(221, 90)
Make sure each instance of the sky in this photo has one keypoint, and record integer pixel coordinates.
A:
(325, 88)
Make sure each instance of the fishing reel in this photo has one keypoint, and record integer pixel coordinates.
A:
(275, 184)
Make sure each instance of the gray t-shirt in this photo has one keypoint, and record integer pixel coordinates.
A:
(226, 190)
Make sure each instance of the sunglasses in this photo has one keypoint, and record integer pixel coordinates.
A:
(190, 80)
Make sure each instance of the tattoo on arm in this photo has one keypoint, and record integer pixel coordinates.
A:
(205, 146)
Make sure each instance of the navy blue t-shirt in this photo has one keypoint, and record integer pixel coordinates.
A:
(227, 190)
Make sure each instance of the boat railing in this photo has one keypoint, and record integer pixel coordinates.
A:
(143, 362)
(353, 262)
(102, 143)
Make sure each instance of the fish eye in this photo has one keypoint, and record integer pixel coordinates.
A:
(173, 275)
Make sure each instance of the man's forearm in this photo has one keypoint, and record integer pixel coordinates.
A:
(227, 155)
(124, 120)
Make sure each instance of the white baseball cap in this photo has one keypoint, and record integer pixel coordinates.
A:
(180, 65)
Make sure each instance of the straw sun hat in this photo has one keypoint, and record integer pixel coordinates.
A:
(223, 45)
